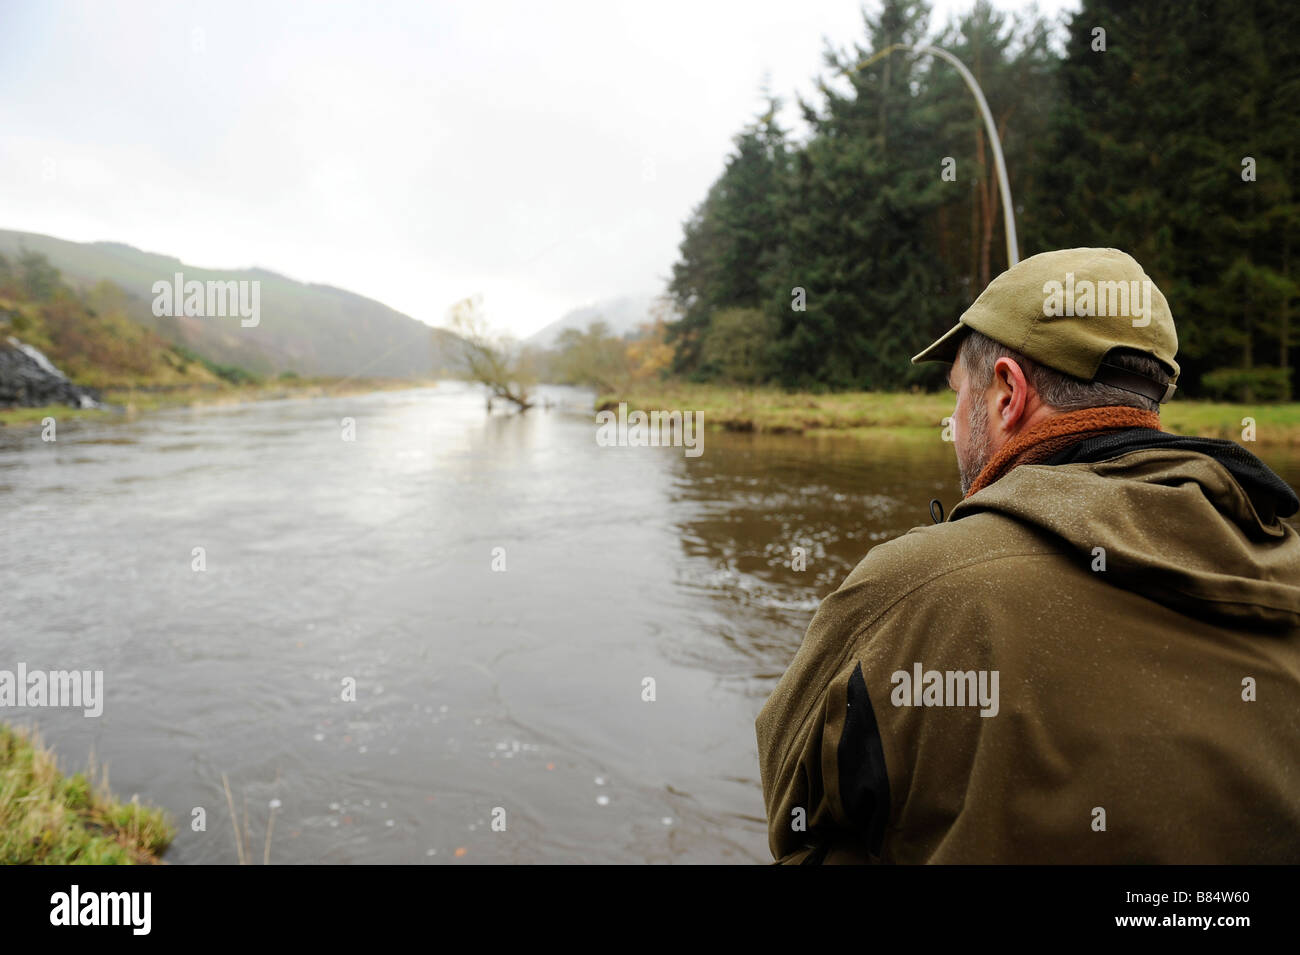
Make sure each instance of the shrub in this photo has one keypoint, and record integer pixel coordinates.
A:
(1261, 383)
(738, 345)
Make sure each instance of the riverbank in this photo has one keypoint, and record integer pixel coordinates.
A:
(130, 402)
(905, 416)
(53, 819)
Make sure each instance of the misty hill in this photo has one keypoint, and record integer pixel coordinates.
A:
(622, 315)
(55, 343)
(307, 328)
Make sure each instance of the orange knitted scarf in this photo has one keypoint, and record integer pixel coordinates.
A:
(1056, 434)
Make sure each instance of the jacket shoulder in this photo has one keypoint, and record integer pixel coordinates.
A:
(925, 554)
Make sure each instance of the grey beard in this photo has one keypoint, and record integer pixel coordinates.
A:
(972, 463)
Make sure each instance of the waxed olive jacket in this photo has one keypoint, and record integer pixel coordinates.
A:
(1094, 660)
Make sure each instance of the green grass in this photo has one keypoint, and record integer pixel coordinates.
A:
(908, 416)
(32, 417)
(47, 818)
(772, 410)
(1274, 424)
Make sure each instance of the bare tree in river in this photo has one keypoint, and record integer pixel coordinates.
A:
(495, 361)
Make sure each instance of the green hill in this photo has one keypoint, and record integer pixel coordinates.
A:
(89, 336)
(304, 328)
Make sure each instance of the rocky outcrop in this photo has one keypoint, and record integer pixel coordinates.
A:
(28, 379)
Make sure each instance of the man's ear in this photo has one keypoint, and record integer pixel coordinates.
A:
(1010, 394)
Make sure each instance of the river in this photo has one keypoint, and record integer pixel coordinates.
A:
(498, 587)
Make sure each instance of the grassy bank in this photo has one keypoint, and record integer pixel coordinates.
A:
(49, 818)
(130, 402)
(902, 415)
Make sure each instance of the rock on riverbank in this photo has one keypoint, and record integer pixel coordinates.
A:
(28, 380)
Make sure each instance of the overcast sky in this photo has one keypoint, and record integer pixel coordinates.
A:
(543, 154)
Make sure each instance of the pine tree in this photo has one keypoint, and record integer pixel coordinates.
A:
(729, 240)
(1151, 153)
(861, 222)
(1012, 61)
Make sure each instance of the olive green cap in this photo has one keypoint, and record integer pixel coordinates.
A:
(1066, 310)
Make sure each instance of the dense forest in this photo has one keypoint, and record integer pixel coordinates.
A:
(1167, 129)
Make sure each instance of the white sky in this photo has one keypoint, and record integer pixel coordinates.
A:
(543, 154)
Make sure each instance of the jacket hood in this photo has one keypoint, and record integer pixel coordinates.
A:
(1192, 523)
(1269, 493)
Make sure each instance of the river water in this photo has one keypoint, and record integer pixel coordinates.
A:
(379, 560)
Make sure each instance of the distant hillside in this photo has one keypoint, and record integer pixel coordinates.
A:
(306, 328)
(622, 315)
(88, 337)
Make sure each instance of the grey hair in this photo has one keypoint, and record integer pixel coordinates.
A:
(1063, 392)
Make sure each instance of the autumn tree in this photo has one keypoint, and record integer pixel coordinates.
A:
(493, 360)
